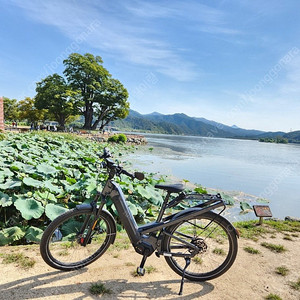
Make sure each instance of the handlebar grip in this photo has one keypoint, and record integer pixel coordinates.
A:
(139, 175)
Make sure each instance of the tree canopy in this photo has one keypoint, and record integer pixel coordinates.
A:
(102, 98)
(11, 111)
(54, 94)
(28, 111)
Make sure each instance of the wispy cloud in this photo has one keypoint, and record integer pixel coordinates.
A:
(128, 29)
(116, 36)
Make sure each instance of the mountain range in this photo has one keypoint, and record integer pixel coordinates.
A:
(181, 124)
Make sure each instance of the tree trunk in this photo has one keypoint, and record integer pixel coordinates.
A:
(88, 115)
(103, 113)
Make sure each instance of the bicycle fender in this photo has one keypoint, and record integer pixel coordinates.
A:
(186, 212)
(84, 206)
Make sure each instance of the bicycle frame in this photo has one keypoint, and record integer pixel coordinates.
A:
(144, 237)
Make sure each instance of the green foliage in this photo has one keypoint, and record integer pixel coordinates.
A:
(102, 98)
(251, 250)
(11, 110)
(295, 285)
(43, 175)
(117, 138)
(54, 94)
(274, 247)
(28, 111)
(19, 259)
(99, 289)
(278, 140)
(283, 271)
(273, 297)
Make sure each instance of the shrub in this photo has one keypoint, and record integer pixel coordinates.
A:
(117, 138)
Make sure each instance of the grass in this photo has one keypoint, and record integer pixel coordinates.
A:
(295, 285)
(63, 253)
(150, 269)
(250, 229)
(20, 259)
(122, 243)
(273, 297)
(219, 251)
(251, 250)
(283, 271)
(99, 289)
(274, 247)
(129, 264)
(197, 260)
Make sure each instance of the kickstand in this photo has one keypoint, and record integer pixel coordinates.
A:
(187, 263)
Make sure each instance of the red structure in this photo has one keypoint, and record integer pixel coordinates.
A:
(1, 115)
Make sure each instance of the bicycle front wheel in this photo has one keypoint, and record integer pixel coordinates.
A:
(216, 243)
(61, 245)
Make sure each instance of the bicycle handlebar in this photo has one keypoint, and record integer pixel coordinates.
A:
(119, 170)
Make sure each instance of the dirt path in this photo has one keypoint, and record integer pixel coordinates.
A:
(251, 277)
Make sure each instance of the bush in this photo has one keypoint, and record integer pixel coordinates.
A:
(118, 138)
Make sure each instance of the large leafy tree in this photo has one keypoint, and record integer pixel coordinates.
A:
(28, 111)
(11, 110)
(102, 98)
(55, 95)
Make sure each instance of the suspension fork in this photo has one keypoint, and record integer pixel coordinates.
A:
(96, 213)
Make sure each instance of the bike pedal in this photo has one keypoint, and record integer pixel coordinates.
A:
(140, 271)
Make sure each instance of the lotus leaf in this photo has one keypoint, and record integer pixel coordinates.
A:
(10, 184)
(46, 169)
(29, 208)
(5, 200)
(53, 211)
(245, 206)
(11, 234)
(32, 182)
(34, 234)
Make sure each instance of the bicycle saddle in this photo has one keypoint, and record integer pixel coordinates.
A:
(171, 188)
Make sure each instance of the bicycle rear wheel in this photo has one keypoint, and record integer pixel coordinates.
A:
(217, 246)
(61, 244)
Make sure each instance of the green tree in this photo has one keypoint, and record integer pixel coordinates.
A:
(54, 94)
(102, 97)
(11, 111)
(29, 112)
(111, 104)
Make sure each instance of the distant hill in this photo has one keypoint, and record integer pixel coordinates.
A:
(182, 124)
(293, 137)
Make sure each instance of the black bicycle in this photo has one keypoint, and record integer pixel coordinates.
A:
(197, 243)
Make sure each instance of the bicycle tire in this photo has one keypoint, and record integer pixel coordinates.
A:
(60, 247)
(217, 243)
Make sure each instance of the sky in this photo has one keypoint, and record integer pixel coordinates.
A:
(236, 62)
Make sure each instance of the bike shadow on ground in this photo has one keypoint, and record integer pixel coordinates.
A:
(49, 284)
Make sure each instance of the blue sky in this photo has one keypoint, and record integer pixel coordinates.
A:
(235, 62)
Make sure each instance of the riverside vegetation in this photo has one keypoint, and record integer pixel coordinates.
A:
(43, 175)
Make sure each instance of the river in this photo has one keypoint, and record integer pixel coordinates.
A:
(265, 170)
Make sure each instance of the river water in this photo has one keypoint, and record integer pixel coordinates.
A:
(265, 170)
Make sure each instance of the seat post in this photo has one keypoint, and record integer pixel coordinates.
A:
(163, 207)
